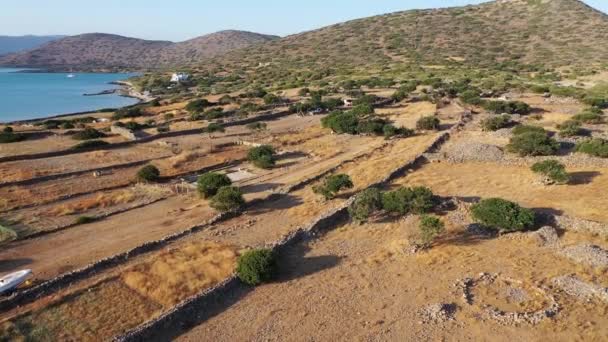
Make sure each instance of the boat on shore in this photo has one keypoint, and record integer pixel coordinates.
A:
(12, 280)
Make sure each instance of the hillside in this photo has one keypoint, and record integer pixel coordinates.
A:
(549, 32)
(10, 44)
(98, 51)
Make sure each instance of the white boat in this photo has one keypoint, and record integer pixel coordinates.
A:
(71, 75)
(10, 281)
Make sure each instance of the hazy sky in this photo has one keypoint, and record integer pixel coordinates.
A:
(178, 20)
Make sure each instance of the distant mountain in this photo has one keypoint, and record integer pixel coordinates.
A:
(546, 32)
(99, 51)
(9, 44)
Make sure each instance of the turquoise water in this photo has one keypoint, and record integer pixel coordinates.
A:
(33, 95)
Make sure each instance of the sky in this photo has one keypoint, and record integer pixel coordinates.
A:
(178, 20)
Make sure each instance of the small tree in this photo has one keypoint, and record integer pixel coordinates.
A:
(197, 106)
(257, 126)
(496, 122)
(404, 200)
(428, 123)
(271, 99)
(533, 144)
(227, 198)
(503, 215)
(88, 134)
(256, 266)
(596, 147)
(521, 129)
(209, 183)
(552, 170)
(570, 128)
(365, 204)
(262, 156)
(333, 185)
(590, 117)
(214, 127)
(430, 228)
(148, 174)
(7, 129)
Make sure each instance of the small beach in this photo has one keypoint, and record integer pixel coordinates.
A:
(34, 95)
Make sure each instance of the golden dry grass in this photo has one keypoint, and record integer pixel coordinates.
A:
(102, 200)
(179, 273)
(587, 200)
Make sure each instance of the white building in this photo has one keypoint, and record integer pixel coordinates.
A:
(179, 77)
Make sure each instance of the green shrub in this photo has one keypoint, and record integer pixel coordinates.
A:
(84, 219)
(271, 99)
(197, 106)
(509, 107)
(333, 185)
(90, 144)
(88, 134)
(496, 122)
(596, 147)
(148, 174)
(533, 144)
(131, 112)
(430, 228)
(503, 215)
(405, 201)
(553, 170)
(7, 129)
(471, 97)
(67, 125)
(226, 100)
(213, 128)
(209, 183)
(521, 129)
(262, 156)
(570, 128)
(7, 234)
(10, 137)
(163, 129)
(594, 101)
(589, 117)
(256, 266)
(428, 123)
(365, 204)
(227, 198)
(341, 122)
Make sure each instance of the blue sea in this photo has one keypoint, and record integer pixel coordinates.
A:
(29, 95)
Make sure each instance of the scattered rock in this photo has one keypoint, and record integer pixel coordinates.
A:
(582, 290)
(587, 254)
(438, 313)
(516, 295)
(471, 151)
(546, 237)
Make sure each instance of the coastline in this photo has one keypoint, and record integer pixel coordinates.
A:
(127, 90)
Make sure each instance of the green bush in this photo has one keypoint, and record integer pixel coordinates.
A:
(471, 97)
(503, 215)
(496, 122)
(256, 266)
(7, 234)
(131, 112)
(262, 156)
(589, 117)
(428, 123)
(227, 198)
(90, 144)
(533, 144)
(553, 170)
(521, 129)
(271, 99)
(84, 219)
(197, 106)
(509, 107)
(148, 174)
(341, 122)
(226, 100)
(365, 204)
(332, 185)
(7, 129)
(430, 228)
(598, 102)
(88, 134)
(570, 128)
(10, 137)
(405, 201)
(209, 183)
(214, 128)
(596, 147)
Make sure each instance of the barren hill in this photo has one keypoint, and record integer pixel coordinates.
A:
(550, 32)
(106, 51)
